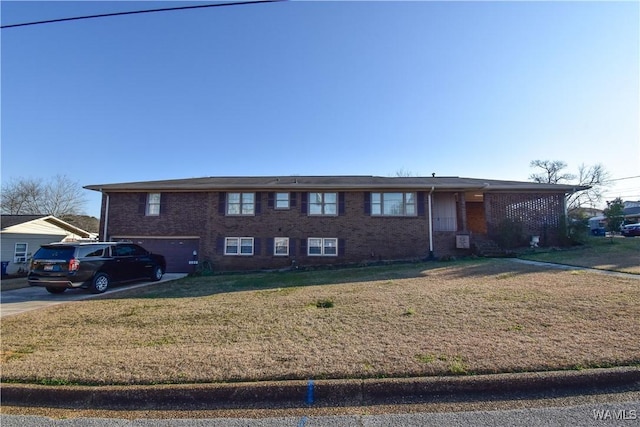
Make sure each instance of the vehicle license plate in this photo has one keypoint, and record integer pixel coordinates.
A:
(48, 267)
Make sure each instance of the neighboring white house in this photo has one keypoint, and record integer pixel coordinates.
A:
(22, 235)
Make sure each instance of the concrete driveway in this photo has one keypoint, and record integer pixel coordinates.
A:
(32, 298)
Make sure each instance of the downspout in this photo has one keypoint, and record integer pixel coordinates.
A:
(106, 217)
(431, 257)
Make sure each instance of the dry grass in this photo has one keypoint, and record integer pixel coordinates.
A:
(394, 321)
(614, 254)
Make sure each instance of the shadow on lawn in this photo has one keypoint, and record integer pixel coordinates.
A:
(199, 286)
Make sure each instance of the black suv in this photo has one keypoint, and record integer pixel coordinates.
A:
(95, 266)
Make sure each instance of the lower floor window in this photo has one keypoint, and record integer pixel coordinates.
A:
(317, 246)
(20, 253)
(281, 246)
(238, 246)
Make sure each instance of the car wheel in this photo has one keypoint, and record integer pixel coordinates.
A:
(156, 273)
(53, 290)
(100, 283)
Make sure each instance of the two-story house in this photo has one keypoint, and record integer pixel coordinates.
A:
(240, 223)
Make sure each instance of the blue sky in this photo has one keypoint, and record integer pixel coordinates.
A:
(474, 89)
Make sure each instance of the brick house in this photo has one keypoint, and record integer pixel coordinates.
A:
(240, 223)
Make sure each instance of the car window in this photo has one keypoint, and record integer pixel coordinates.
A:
(91, 251)
(123, 250)
(50, 252)
(139, 250)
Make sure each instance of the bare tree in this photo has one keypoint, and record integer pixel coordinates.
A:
(551, 172)
(595, 177)
(404, 173)
(28, 196)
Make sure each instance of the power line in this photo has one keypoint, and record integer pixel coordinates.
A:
(620, 179)
(166, 9)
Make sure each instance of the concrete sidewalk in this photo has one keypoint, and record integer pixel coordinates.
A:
(574, 267)
(34, 297)
(323, 393)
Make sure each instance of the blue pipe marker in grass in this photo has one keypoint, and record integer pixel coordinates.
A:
(310, 392)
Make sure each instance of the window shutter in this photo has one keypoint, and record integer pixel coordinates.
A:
(271, 200)
(341, 247)
(220, 245)
(258, 201)
(293, 199)
(142, 204)
(292, 247)
(257, 247)
(341, 203)
(367, 203)
(421, 203)
(163, 203)
(222, 201)
(270, 249)
(303, 203)
(303, 246)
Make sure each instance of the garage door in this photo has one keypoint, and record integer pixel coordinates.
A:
(177, 252)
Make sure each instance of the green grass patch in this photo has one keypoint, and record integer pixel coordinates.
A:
(603, 253)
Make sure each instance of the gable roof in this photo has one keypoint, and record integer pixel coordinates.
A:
(332, 182)
(11, 220)
(7, 221)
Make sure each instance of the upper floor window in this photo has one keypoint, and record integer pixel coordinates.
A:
(323, 204)
(241, 203)
(238, 246)
(153, 204)
(20, 253)
(282, 201)
(393, 204)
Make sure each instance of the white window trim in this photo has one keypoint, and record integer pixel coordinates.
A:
(275, 246)
(322, 246)
(21, 256)
(241, 204)
(239, 246)
(323, 204)
(152, 212)
(404, 204)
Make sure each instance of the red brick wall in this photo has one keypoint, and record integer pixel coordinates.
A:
(365, 238)
(539, 214)
(197, 214)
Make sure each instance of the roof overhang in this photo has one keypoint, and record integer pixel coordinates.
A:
(344, 183)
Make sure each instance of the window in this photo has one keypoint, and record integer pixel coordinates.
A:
(282, 200)
(281, 246)
(238, 246)
(241, 204)
(20, 253)
(91, 251)
(393, 204)
(323, 204)
(317, 246)
(153, 204)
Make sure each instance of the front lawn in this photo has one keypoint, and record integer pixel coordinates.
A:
(466, 317)
(603, 253)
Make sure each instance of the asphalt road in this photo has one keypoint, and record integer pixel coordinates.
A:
(33, 298)
(621, 413)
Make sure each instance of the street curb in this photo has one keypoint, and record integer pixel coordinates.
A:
(319, 393)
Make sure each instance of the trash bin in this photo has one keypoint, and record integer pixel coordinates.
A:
(4, 264)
